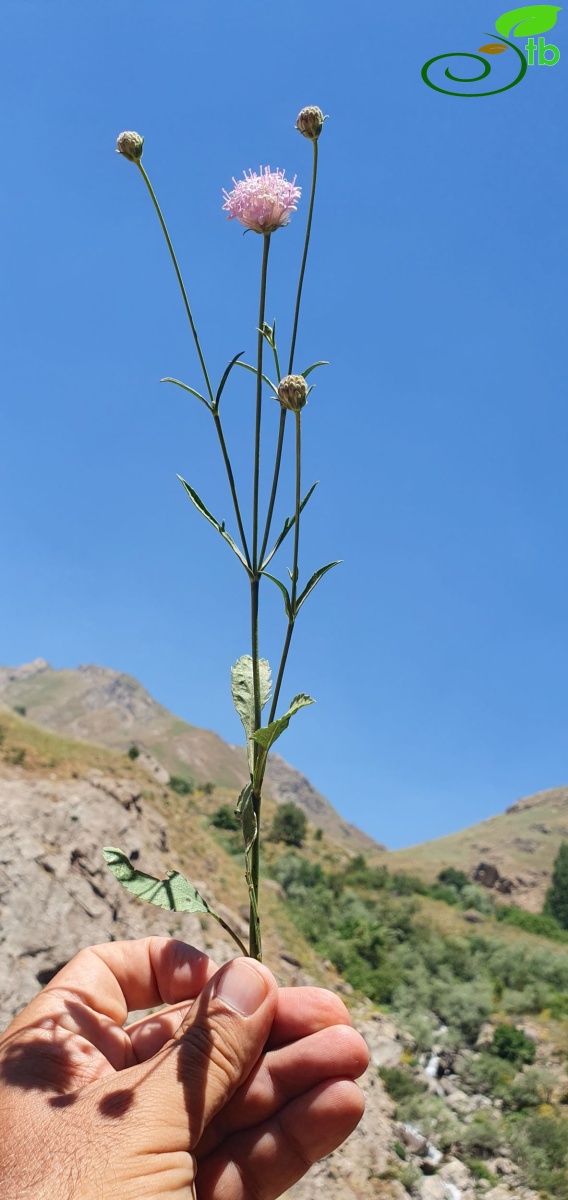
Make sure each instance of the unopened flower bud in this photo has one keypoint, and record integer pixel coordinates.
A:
(130, 145)
(293, 392)
(310, 122)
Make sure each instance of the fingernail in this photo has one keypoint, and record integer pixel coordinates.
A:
(241, 988)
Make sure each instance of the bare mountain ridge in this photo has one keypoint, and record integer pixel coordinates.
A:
(98, 704)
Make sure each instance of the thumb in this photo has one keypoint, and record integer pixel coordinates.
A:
(192, 1078)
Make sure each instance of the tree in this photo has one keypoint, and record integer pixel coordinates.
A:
(225, 818)
(556, 903)
(289, 825)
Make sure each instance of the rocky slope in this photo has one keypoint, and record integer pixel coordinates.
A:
(61, 800)
(100, 705)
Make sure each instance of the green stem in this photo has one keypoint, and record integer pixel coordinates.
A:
(304, 256)
(292, 619)
(292, 351)
(231, 479)
(254, 930)
(179, 279)
(272, 502)
(260, 345)
(201, 360)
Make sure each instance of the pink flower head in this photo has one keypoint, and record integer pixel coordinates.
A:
(262, 202)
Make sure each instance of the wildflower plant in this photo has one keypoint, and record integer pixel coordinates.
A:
(263, 203)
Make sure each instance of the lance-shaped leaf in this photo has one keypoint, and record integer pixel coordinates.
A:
(528, 21)
(225, 377)
(220, 527)
(311, 584)
(288, 525)
(265, 738)
(323, 363)
(245, 810)
(174, 893)
(186, 388)
(248, 367)
(242, 688)
(285, 593)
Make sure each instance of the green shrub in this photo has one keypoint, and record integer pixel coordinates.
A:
(2, 734)
(133, 753)
(180, 785)
(513, 1045)
(540, 1145)
(289, 825)
(225, 818)
(208, 788)
(530, 1088)
(16, 756)
(556, 903)
(489, 1075)
(20, 709)
(453, 878)
(400, 1084)
(483, 1136)
(480, 1170)
(410, 1177)
(318, 835)
(478, 898)
(542, 924)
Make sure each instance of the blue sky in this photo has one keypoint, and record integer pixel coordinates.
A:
(436, 287)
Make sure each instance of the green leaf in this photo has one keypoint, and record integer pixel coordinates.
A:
(312, 583)
(267, 736)
(242, 689)
(174, 893)
(213, 521)
(185, 387)
(323, 363)
(288, 525)
(248, 367)
(225, 378)
(285, 593)
(528, 21)
(245, 810)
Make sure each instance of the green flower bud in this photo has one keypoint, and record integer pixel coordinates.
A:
(310, 122)
(130, 145)
(293, 392)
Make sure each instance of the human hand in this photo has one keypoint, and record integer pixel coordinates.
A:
(231, 1092)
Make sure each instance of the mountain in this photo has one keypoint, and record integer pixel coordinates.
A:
(511, 853)
(97, 704)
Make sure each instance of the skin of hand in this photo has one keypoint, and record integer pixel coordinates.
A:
(229, 1093)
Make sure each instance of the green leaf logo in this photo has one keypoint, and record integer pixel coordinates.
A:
(528, 21)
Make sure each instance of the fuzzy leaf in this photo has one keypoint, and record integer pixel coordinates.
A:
(174, 893)
(225, 378)
(212, 520)
(528, 21)
(186, 388)
(288, 525)
(245, 810)
(312, 583)
(285, 593)
(242, 688)
(267, 736)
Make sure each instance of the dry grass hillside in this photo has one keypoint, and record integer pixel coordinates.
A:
(521, 843)
(99, 705)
